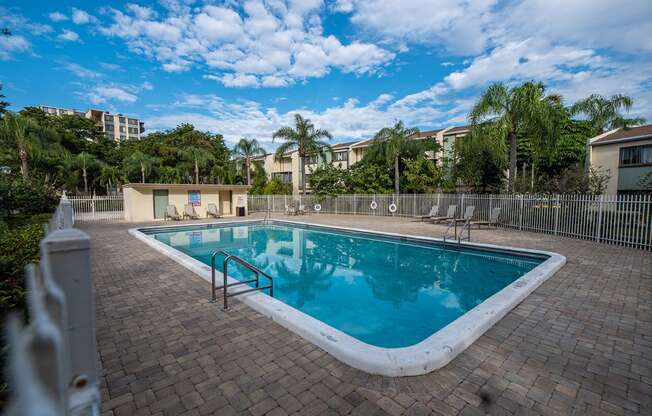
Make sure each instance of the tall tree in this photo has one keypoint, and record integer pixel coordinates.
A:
(85, 161)
(605, 113)
(247, 149)
(19, 131)
(3, 103)
(109, 176)
(139, 161)
(305, 138)
(395, 138)
(522, 108)
(199, 157)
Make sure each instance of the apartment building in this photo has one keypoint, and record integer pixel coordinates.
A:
(116, 127)
(627, 155)
(345, 155)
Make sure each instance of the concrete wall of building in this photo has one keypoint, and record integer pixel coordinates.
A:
(607, 156)
(139, 201)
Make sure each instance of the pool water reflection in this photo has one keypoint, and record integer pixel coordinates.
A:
(382, 291)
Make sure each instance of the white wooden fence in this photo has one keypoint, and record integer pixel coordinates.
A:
(98, 208)
(53, 363)
(623, 220)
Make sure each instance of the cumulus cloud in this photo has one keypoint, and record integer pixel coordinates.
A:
(262, 44)
(68, 35)
(101, 94)
(57, 17)
(80, 17)
(12, 44)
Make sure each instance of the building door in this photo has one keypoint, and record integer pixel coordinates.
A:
(160, 202)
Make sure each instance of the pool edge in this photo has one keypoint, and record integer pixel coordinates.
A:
(428, 355)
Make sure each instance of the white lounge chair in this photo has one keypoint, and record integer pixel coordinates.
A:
(468, 215)
(432, 214)
(189, 212)
(212, 211)
(494, 216)
(171, 213)
(301, 210)
(450, 214)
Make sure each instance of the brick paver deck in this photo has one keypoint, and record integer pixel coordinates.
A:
(580, 344)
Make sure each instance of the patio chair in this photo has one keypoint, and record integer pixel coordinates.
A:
(189, 212)
(450, 214)
(171, 213)
(301, 210)
(494, 216)
(288, 210)
(468, 215)
(212, 211)
(432, 214)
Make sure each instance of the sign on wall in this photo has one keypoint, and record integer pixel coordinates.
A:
(194, 198)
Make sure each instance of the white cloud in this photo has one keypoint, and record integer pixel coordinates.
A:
(80, 71)
(68, 35)
(80, 17)
(455, 24)
(101, 94)
(272, 43)
(12, 44)
(57, 16)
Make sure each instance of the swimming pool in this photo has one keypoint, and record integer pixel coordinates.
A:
(387, 304)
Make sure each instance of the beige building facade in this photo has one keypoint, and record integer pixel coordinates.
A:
(116, 127)
(147, 201)
(627, 156)
(345, 155)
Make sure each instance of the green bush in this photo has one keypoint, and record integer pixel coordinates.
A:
(19, 200)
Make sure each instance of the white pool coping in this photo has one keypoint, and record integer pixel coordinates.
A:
(430, 354)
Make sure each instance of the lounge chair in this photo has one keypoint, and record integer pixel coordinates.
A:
(494, 216)
(450, 214)
(289, 210)
(189, 212)
(432, 214)
(171, 213)
(301, 210)
(468, 215)
(212, 211)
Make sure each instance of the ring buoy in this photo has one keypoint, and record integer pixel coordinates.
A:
(392, 207)
(317, 207)
(373, 205)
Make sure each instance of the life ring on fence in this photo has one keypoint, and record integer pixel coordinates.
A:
(373, 205)
(392, 207)
(317, 207)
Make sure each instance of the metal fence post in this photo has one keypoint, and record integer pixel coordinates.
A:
(557, 209)
(68, 256)
(598, 230)
(520, 220)
(354, 205)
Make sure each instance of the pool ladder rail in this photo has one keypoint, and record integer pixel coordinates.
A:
(225, 266)
(460, 237)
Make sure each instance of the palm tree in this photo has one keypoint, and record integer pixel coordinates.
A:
(109, 175)
(198, 156)
(395, 138)
(604, 113)
(305, 138)
(85, 161)
(521, 108)
(19, 131)
(139, 161)
(247, 149)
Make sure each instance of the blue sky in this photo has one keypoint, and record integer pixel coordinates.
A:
(244, 68)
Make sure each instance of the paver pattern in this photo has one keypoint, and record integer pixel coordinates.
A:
(580, 344)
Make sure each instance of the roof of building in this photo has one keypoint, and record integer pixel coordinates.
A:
(428, 133)
(341, 145)
(190, 186)
(623, 135)
(458, 129)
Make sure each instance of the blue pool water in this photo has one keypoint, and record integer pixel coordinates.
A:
(384, 291)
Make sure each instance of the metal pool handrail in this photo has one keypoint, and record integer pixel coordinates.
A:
(225, 265)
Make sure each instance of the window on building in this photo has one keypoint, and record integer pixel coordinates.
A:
(341, 156)
(122, 120)
(109, 136)
(108, 127)
(312, 159)
(133, 121)
(123, 129)
(108, 118)
(307, 179)
(285, 177)
(636, 156)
